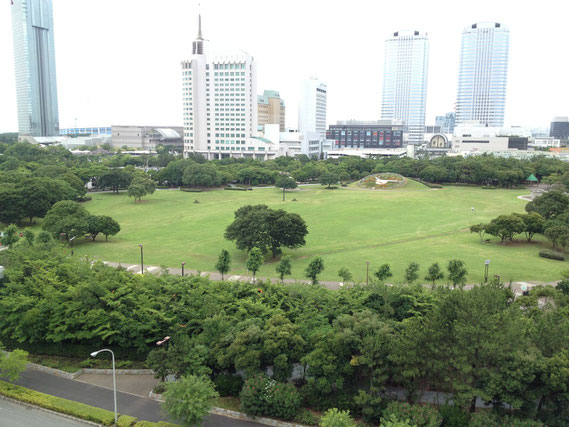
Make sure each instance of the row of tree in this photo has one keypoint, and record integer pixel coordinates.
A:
(345, 346)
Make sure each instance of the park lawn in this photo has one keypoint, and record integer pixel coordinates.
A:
(347, 226)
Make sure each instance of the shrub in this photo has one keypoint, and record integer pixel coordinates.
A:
(484, 419)
(262, 395)
(228, 385)
(335, 418)
(237, 188)
(417, 415)
(563, 286)
(546, 253)
(454, 415)
(306, 417)
(191, 190)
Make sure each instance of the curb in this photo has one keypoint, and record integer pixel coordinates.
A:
(49, 411)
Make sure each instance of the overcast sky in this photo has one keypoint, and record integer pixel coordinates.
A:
(118, 61)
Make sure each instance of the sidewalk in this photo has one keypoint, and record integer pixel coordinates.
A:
(128, 404)
(135, 268)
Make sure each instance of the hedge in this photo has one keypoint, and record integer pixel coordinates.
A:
(237, 188)
(191, 190)
(74, 409)
(545, 253)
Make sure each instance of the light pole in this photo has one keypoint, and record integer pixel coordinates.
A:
(486, 265)
(283, 192)
(141, 260)
(183, 263)
(94, 354)
(367, 273)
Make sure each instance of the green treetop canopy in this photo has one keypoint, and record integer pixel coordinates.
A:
(531, 178)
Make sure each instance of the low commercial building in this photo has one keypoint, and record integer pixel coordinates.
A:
(367, 152)
(147, 137)
(366, 134)
(476, 138)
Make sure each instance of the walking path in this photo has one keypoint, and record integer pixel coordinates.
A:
(129, 404)
(517, 287)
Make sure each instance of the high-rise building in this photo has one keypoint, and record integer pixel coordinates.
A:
(446, 122)
(312, 117)
(405, 81)
(219, 102)
(483, 74)
(559, 128)
(34, 59)
(271, 109)
(312, 107)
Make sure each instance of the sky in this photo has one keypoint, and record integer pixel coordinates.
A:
(118, 61)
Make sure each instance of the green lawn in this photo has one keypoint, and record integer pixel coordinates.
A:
(347, 226)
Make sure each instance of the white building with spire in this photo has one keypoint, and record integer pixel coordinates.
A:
(220, 104)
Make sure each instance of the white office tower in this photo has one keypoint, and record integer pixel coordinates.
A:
(312, 116)
(405, 81)
(483, 74)
(220, 104)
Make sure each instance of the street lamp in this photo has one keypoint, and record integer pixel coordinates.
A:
(94, 354)
(183, 263)
(141, 260)
(486, 265)
(367, 273)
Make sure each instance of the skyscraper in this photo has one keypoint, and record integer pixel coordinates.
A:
(483, 74)
(312, 107)
(34, 58)
(271, 110)
(219, 101)
(312, 117)
(405, 81)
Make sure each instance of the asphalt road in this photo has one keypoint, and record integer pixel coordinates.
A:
(14, 414)
(142, 408)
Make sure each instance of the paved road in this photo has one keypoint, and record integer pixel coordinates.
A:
(142, 408)
(14, 414)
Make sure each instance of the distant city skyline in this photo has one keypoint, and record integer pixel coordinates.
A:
(113, 69)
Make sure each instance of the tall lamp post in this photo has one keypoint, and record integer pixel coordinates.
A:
(183, 263)
(94, 354)
(141, 260)
(486, 265)
(367, 273)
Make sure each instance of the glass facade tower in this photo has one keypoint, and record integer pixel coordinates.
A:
(405, 81)
(482, 74)
(34, 58)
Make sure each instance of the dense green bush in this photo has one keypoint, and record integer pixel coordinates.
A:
(305, 417)
(335, 418)
(237, 188)
(417, 415)
(191, 190)
(546, 253)
(228, 385)
(454, 415)
(262, 395)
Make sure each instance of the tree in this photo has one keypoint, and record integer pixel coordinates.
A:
(30, 237)
(480, 229)
(383, 272)
(549, 204)
(201, 175)
(329, 179)
(140, 186)
(505, 227)
(66, 217)
(102, 224)
(12, 205)
(284, 268)
(345, 274)
(189, 399)
(456, 272)
(434, 273)
(37, 201)
(254, 261)
(555, 233)
(534, 223)
(223, 264)
(284, 181)
(412, 272)
(315, 267)
(13, 364)
(44, 238)
(114, 178)
(264, 228)
(336, 418)
(10, 236)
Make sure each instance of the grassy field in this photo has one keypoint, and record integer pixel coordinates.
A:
(347, 226)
